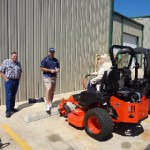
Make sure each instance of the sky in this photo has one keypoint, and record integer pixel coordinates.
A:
(132, 8)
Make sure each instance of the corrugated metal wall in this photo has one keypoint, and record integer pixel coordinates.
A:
(117, 30)
(146, 23)
(122, 25)
(78, 29)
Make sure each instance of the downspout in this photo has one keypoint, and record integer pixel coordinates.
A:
(138, 42)
(111, 23)
(142, 40)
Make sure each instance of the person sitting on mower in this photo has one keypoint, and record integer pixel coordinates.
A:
(105, 65)
(98, 63)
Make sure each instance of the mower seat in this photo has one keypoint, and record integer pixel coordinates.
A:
(88, 98)
(76, 97)
(110, 81)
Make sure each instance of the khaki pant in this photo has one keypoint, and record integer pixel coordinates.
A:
(50, 83)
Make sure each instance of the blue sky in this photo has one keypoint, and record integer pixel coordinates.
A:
(132, 8)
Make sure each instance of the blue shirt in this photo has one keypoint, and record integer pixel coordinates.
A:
(50, 63)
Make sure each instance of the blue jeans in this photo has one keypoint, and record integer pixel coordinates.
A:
(91, 87)
(11, 87)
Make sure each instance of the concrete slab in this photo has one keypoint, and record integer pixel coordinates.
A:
(39, 115)
(34, 116)
(30, 117)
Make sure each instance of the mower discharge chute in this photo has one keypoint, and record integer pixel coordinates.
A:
(123, 97)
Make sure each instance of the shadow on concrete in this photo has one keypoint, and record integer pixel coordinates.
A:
(56, 103)
(82, 128)
(22, 106)
(126, 129)
(58, 138)
(107, 138)
(32, 102)
(3, 145)
(148, 147)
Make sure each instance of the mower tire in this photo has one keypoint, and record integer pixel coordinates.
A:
(98, 123)
(146, 92)
(68, 110)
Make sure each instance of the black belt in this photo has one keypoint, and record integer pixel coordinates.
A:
(13, 79)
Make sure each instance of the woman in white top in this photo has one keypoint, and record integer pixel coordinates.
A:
(105, 65)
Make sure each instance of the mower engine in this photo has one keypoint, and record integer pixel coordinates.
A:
(130, 107)
(129, 96)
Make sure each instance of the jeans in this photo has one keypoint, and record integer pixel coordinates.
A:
(11, 87)
(91, 87)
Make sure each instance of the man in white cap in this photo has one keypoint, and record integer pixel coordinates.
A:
(105, 65)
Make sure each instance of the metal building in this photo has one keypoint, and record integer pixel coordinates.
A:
(145, 20)
(78, 29)
(127, 31)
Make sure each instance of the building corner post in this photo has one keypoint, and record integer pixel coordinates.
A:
(111, 23)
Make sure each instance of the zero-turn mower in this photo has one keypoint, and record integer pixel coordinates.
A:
(122, 98)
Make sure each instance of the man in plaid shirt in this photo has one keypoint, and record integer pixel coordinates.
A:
(11, 70)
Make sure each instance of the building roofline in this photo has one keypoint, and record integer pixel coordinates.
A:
(128, 18)
(140, 17)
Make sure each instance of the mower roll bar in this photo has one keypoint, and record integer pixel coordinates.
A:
(146, 53)
(128, 50)
(111, 52)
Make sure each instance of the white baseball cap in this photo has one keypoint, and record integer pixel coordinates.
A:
(106, 57)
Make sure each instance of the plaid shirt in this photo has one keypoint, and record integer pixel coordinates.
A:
(10, 69)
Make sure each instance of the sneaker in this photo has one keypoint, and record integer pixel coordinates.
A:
(48, 108)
